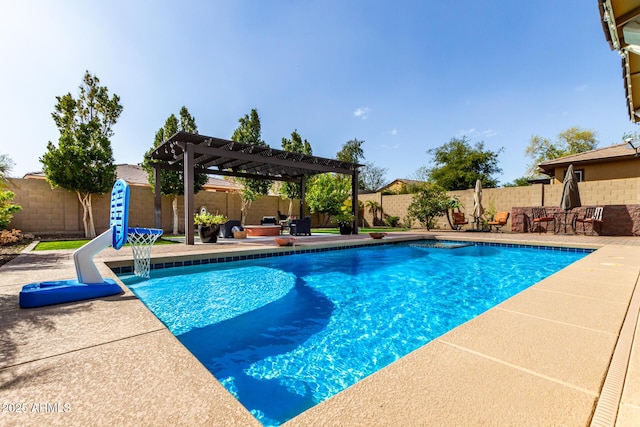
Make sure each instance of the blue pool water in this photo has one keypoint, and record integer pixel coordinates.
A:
(283, 334)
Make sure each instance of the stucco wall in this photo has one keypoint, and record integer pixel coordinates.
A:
(605, 171)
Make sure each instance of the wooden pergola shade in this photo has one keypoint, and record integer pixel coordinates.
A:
(193, 153)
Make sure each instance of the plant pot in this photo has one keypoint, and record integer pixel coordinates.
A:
(346, 229)
(208, 233)
(285, 241)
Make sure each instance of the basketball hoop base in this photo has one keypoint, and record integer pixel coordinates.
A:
(58, 292)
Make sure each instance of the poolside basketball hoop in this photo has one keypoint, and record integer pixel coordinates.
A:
(141, 241)
(90, 283)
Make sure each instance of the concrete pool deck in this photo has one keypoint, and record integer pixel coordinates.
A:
(539, 358)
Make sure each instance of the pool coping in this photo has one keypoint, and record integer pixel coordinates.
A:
(355, 405)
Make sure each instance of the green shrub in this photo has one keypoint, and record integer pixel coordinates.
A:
(7, 208)
(392, 221)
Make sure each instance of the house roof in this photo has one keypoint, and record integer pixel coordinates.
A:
(401, 181)
(611, 153)
(621, 25)
(135, 175)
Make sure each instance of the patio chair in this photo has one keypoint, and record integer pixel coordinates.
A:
(299, 227)
(459, 220)
(499, 220)
(226, 231)
(268, 220)
(593, 216)
(540, 217)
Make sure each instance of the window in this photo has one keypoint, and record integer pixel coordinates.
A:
(579, 174)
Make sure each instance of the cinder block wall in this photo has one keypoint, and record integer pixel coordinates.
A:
(47, 211)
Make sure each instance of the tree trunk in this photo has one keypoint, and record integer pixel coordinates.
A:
(243, 211)
(174, 204)
(449, 220)
(290, 207)
(87, 214)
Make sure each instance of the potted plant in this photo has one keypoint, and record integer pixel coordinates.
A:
(345, 222)
(208, 226)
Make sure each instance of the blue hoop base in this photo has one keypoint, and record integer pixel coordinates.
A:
(57, 292)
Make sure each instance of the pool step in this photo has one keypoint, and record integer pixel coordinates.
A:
(441, 245)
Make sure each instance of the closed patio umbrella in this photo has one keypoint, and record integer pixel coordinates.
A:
(478, 210)
(570, 194)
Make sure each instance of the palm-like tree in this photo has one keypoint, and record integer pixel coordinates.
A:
(374, 207)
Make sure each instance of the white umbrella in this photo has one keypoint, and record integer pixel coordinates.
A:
(478, 210)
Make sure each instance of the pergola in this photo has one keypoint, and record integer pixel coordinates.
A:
(193, 153)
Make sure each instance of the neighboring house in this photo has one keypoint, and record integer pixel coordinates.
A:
(614, 162)
(135, 175)
(399, 186)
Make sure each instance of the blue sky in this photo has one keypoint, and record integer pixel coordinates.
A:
(404, 76)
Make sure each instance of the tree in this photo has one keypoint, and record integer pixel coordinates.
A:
(291, 190)
(351, 151)
(83, 160)
(326, 194)
(374, 207)
(459, 165)
(519, 182)
(6, 207)
(571, 141)
(429, 202)
(371, 177)
(250, 132)
(172, 182)
(6, 164)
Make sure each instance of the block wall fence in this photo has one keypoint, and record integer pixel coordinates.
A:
(57, 211)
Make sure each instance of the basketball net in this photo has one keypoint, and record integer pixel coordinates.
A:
(141, 241)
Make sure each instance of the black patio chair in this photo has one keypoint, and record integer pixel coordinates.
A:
(226, 228)
(300, 227)
(269, 220)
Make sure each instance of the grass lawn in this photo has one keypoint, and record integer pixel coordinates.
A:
(75, 244)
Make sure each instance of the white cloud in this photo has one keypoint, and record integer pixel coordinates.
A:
(393, 132)
(467, 132)
(362, 112)
(475, 133)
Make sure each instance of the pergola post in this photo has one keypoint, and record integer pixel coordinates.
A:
(354, 199)
(303, 189)
(157, 198)
(189, 204)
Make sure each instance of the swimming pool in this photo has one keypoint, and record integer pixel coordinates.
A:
(283, 334)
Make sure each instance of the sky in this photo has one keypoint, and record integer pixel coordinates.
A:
(405, 76)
